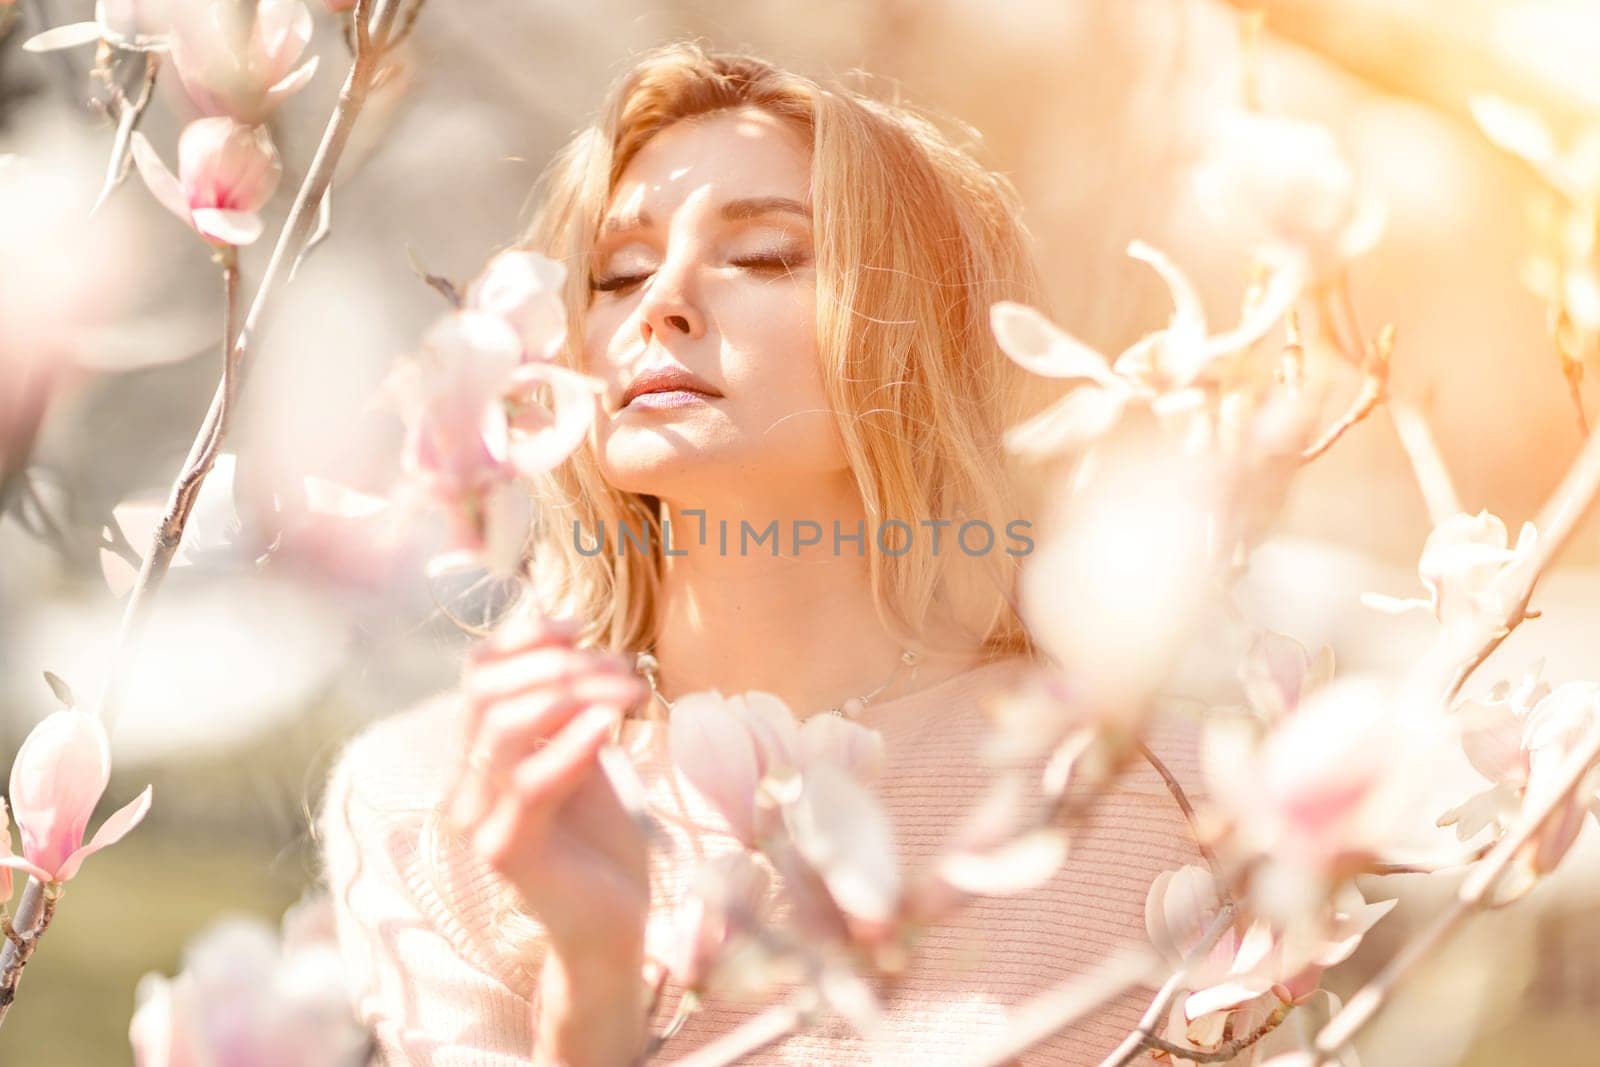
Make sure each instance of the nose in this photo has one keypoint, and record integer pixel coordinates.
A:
(666, 308)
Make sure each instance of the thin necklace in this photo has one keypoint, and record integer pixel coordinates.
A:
(646, 665)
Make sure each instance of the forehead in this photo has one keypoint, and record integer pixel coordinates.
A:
(711, 159)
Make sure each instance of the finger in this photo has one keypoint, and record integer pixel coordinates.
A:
(484, 685)
(516, 728)
(532, 631)
(541, 785)
(554, 771)
(534, 669)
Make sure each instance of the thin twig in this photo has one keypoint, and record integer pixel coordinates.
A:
(1176, 789)
(1427, 463)
(20, 947)
(1228, 1049)
(1374, 384)
(1385, 869)
(1156, 1013)
(352, 96)
(1365, 1004)
(753, 1035)
(128, 114)
(291, 238)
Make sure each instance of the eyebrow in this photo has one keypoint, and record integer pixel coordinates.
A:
(745, 208)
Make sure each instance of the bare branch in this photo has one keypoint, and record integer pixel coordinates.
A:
(1433, 477)
(1365, 1004)
(1151, 1020)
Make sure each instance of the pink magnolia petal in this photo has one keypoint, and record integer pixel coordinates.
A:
(1492, 740)
(293, 82)
(228, 227)
(712, 750)
(842, 743)
(57, 778)
(17, 863)
(114, 829)
(69, 36)
(843, 832)
(161, 182)
(773, 729)
(541, 443)
(1274, 672)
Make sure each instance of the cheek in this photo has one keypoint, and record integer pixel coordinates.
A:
(599, 330)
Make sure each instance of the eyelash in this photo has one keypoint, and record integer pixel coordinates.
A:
(775, 261)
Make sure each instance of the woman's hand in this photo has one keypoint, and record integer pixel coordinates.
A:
(534, 802)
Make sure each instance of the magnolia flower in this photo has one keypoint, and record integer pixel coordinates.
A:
(226, 174)
(524, 289)
(1251, 966)
(244, 1000)
(473, 427)
(1517, 739)
(133, 25)
(723, 905)
(841, 830)
(1278, 671)
(1467, 568)
(1322, 792)
(1157, 370)
(235, 62)
(1284, 184)
(725, 747)
(57, 780)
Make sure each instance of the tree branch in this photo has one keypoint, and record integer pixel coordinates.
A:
(1365, 1004)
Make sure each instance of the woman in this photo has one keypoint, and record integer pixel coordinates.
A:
(785, 289)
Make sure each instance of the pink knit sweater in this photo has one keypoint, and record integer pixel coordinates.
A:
(437, 989)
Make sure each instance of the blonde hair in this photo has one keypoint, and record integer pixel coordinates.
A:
(914, 240)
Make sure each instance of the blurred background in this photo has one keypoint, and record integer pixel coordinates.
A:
(1097, 109)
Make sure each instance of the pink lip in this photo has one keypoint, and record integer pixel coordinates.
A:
(666, 399)
(669, 378)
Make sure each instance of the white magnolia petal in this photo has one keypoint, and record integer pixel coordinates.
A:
(1039, 345)
(843, 832)
(294, 81)
(69, 36)
(1187, 328)
(1225, 996)
(229, 227)
(1076, 420)
(1019, 866)
(161, 182)
(1393, 605)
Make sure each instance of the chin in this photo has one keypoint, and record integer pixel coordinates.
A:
(660, 466)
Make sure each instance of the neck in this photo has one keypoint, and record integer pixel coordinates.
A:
(801, 625)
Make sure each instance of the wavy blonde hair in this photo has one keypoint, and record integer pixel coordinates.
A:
(915, 239)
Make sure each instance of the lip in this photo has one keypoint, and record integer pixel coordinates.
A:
(670, 379)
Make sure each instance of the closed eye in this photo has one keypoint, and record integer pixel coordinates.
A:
(770, 262)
